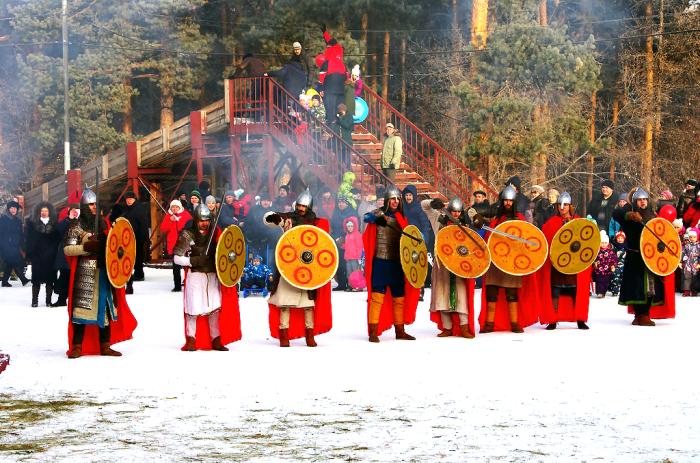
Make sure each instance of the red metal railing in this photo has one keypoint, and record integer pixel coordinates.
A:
(261, 105)
(446, 173)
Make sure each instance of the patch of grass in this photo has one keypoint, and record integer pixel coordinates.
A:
(22, 448)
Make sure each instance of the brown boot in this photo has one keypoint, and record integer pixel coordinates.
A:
(284, 337)
(189, 344)
(636, 320)
(644, 320)
(401, 333)
(373, 329)
(444, 333)
(487, 328)
(513, 313)
(216, 345)
(106, 350)
(76, 351)
(310, 341)
(516, 328)
(466, 331)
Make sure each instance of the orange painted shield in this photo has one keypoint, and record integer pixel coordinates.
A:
(661, 259)
(464, 256)
(120, 255)
(515, 257)
(575, 246)
(230, 256)
(414, 257)
(306, 257)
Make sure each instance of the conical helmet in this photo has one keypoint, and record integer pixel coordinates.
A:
(391, 192)
(305, 199)
(509, 193)
(88, 197)
(455, 205)
(564, 198)
(640, 194)
(202, 213)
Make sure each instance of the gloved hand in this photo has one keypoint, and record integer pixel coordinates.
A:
(274, 218)
(323, 27)
(443, 220)
(199, 261)
(381, 221)
(478, 221)
(91, 246)
(437, 204)
(634, 217)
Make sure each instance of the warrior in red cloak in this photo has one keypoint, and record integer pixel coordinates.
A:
(568, 299)
(97, 312)
(383, 271)
(294, 312)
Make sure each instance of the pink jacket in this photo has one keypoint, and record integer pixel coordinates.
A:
(353, 246)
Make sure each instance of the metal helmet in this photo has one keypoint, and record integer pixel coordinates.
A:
(509, 193)
(455, 205)
(201, 213)
(640, 194)
(564, 198)
(391, 192)
(305, 199)
(88, 197)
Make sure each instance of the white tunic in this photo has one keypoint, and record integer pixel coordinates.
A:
(202, 290)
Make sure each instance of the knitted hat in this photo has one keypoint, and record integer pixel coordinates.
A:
(608, 183)
(604, 238)
(620, 234)
(666, 195)
(296, 45)
(479, 192)
(129, 194)
(678, 223)
(623, 197)
(176, 202)
(693, 232)
(12, 203)
(537, 188)
(356, 70)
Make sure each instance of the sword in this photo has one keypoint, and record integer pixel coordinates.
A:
(152, 196)
(97, 201)
(216, 221)
(662, 244)
(472, 212)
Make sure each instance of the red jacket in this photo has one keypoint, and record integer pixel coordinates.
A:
(172, 228)
(353, 245)
(692, 215)
(241, 207)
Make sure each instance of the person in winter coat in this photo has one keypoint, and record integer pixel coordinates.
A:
(334, 80)
(136, 214)
(615, 226)
(262, 239)
(283, 202)
(11, 244)
(298, 51)
(391, 152)
(341, 214)
(604, 265)
(691, 218)
(195, 200)
(691, 263)
(42, 239)
(352, 247)
(171, 226)
(620, 246)
(357, 81)
(67, 216)
(241, 205)
(537, 210)
(602, 205)
(292, 76)
(685, 199)
(327, 204)
(413, 212)
(228, 214)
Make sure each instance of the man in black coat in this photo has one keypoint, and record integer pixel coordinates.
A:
(11, 244)
(602, 205)
(135, 213)
(42, 241)
(261, 239)
(685, 199)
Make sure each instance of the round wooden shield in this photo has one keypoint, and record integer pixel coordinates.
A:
(414, 257)
(120, 255)
(306, 256)
(464, 256)
(575, 246)
(230, 256)
(513, 256)
(660, 259)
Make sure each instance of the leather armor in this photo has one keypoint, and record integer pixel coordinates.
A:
(388, 239)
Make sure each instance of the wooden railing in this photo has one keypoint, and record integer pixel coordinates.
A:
(445, 172)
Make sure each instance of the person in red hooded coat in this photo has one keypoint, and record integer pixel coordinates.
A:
(294, 312)
(384, 273)
(568, 299)
(516, 306)
(335, 74)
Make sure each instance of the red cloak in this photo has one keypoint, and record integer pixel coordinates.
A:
(668, 308)
(411, 294)
(120, 329)
(570, 309)
(456, 330)
(229, 320)
(323, 314)
(528, 296)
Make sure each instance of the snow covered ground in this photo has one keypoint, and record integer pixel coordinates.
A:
(613, 393)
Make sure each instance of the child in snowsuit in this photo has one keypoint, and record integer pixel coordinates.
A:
(256, 276)
(352, 246)
(604, 265)
(691, 264)
(620, 247)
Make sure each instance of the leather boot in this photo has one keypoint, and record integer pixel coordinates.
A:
(636, 320)
(189, 344)
(35, 295)
(284, 337)
(581, 325)
(49, 293)
(551, 326)
(310, 341)
(216, 345)
(75, 351)
(513, 313)
(106, 350)
(516, 328)
(444, 333)
(401, 333)
(466, 331)
(644, 320)
(490, 315)
(487, 328)
(373, 329)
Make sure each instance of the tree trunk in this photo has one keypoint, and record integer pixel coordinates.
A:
(479, 29)
(613, 138)
(127, 127)
(538, 166)
(385, 78)
(590, 160)
(542, 13)
(156, 218)
(403, 74)
(372, 67)
(226, 32)
(648, 149)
